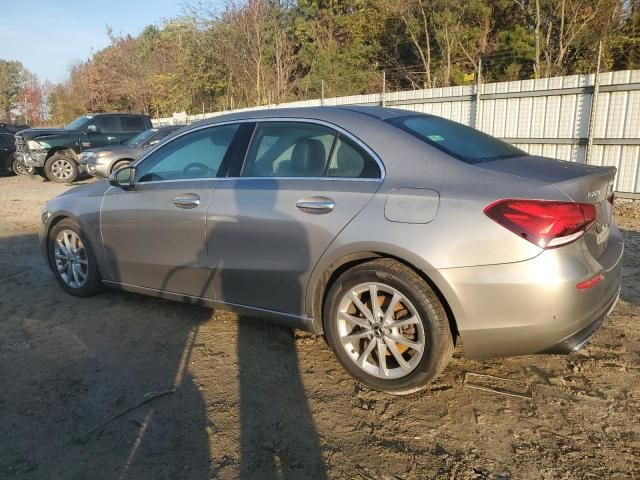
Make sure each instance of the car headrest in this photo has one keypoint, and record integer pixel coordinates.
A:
(308, 158)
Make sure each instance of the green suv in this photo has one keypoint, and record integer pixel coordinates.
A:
(54, 152)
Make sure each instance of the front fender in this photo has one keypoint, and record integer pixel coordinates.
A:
(82, 205)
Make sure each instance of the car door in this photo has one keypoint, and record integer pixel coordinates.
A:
(104, 130)
(154, 232)
(272, 218)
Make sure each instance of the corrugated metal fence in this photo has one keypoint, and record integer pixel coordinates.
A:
(548, 116)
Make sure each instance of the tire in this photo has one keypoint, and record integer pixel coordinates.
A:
(20, 168)
(84, 256)
(61, 168)
(120, 164)
(426, 342)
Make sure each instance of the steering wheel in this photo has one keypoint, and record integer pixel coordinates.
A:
(197, 169)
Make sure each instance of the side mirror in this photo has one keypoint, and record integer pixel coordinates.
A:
(124, 177)
(92, 129)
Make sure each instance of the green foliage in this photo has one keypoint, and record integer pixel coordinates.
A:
(256, 52)
(12, 77)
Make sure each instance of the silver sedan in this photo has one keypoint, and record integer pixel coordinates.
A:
(392, 233)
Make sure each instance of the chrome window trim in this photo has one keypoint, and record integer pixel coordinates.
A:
(344, 132)
(222, 179)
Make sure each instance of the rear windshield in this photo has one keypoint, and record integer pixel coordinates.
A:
(460, 141)
(141, 137)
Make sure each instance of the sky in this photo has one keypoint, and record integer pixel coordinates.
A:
(49, 35)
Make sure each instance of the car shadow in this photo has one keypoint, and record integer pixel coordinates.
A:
(95, 387)
(139, 401)
(631, 267)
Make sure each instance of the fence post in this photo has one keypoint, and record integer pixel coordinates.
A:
(322, 92)
(383, 100)
(476, 120)
(592, 107)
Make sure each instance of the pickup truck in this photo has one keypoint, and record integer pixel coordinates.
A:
(54, 153)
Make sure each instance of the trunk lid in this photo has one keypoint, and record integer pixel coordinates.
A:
(582, 183)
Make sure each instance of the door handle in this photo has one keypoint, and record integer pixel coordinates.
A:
(188, 200)
(316, 205)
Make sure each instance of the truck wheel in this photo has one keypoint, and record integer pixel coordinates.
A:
(61, 168)
(20, 168)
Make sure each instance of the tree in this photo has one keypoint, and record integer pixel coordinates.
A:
(32, 106)
(12, 77)
(256, 52)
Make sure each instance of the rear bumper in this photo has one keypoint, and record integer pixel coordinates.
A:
(576, 341)
(534, 306)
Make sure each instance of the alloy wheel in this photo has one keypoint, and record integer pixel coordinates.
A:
(380, 330)
(71, 259)
(62, 169)
(21, 169)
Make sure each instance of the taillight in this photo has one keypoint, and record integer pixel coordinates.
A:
(592, 282)
(547, 224)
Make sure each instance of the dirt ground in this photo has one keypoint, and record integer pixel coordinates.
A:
(122, 386)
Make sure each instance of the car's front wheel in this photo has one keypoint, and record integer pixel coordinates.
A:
(20, 168)
(72, 259)
(61, 168)
(387, 327)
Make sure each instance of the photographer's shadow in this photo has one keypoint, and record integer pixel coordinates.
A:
(278, 438)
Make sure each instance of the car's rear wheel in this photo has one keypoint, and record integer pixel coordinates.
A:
(61, 168)
(20, 168)
(387, 327)
(72, 259)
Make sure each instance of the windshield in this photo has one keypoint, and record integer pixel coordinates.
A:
(78, 122)
(460, 141)
(141, 137)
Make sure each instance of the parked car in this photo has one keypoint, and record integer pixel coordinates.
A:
(392, 233)
(8, 161)
(101, 162)
(7, 151)
(11, 128)
(54, 152)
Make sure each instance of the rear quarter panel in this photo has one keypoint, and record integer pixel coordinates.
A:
(460, 235)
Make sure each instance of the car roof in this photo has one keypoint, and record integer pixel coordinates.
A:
(329, 113)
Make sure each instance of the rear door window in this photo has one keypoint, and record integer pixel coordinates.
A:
(350, 161)
(132, 124)
(289, 149)
(109, 124)
(459, 141)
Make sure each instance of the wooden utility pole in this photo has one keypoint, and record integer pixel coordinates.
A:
(592, 109)
(476, 119)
